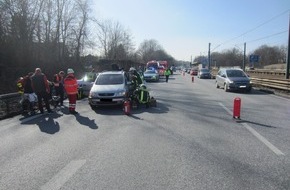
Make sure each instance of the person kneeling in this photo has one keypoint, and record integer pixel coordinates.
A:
(142, 95)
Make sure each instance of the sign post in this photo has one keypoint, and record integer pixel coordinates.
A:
(254, 59)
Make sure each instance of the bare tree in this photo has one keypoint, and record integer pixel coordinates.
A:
(114, 41)
(268, 55)
(80, 30)
(147, 49)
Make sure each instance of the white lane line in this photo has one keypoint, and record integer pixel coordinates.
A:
(256, 134)
(64, 175)
(263, 140)
(225, 108)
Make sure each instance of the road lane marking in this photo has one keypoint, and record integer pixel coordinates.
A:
(263, 140)
(225, 108)
(64, 175)
(257, 135)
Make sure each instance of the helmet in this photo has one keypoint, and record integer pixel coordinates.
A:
(132, 69)
(69, 71)
(142, 86)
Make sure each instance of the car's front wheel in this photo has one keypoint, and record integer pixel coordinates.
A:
(216, 84)
(226, 87)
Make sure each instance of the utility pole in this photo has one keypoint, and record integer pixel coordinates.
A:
(209, 56)
(244, 58)
(190, 60)
(288, 60)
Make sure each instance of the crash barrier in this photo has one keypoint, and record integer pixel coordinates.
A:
(270, 73)
(280, 84)
(10, 104)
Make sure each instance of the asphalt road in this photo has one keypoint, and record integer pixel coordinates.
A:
(189, 141)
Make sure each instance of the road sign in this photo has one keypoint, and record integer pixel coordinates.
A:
(254, 58)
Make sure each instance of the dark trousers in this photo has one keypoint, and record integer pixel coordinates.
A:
(59, 91)
(167, 77)
(43, 96)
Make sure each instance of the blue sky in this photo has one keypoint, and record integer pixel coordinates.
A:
(184, 28)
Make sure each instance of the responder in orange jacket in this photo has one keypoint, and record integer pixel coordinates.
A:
(71, 87)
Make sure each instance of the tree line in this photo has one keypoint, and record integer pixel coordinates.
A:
(268, 55)
(56, 34)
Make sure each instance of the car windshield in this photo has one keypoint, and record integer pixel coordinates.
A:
(235, 73)
(150, 72)
(110, 79)
(204, 70)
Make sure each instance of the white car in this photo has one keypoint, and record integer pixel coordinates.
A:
(110, 88)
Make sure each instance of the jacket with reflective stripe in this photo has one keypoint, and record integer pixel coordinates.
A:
(71, 84)
(143, 96)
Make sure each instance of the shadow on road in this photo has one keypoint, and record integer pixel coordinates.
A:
(48, 125)
(109, 110)
(86, 121)
(255, 123)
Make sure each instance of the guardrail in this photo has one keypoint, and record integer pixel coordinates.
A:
(268, 73)
(10, 104)
(280, 84)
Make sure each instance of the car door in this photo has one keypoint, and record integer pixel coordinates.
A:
(218, 78)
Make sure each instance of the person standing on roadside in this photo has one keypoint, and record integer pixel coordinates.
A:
(29, 93)
(71, 87)
(58, 86)
(41, 88)
(167, 72)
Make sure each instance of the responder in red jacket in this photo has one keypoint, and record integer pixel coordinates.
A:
(71, 87)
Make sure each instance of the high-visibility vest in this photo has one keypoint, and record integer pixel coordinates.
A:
(20, 86)
(143, 96)
(71, 85)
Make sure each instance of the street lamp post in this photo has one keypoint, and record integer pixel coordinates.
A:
(244, 58)
(209, 56)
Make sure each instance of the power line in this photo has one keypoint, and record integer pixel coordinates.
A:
(251, 30)
(268, 36)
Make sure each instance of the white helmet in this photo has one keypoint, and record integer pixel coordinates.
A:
(142, 86)
(69, 71)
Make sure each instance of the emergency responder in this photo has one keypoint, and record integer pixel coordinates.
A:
(41, 87)
(58, 86)
(142, 95)
(167, 72)
(71, 87)
(20, 85)
(133, 71)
